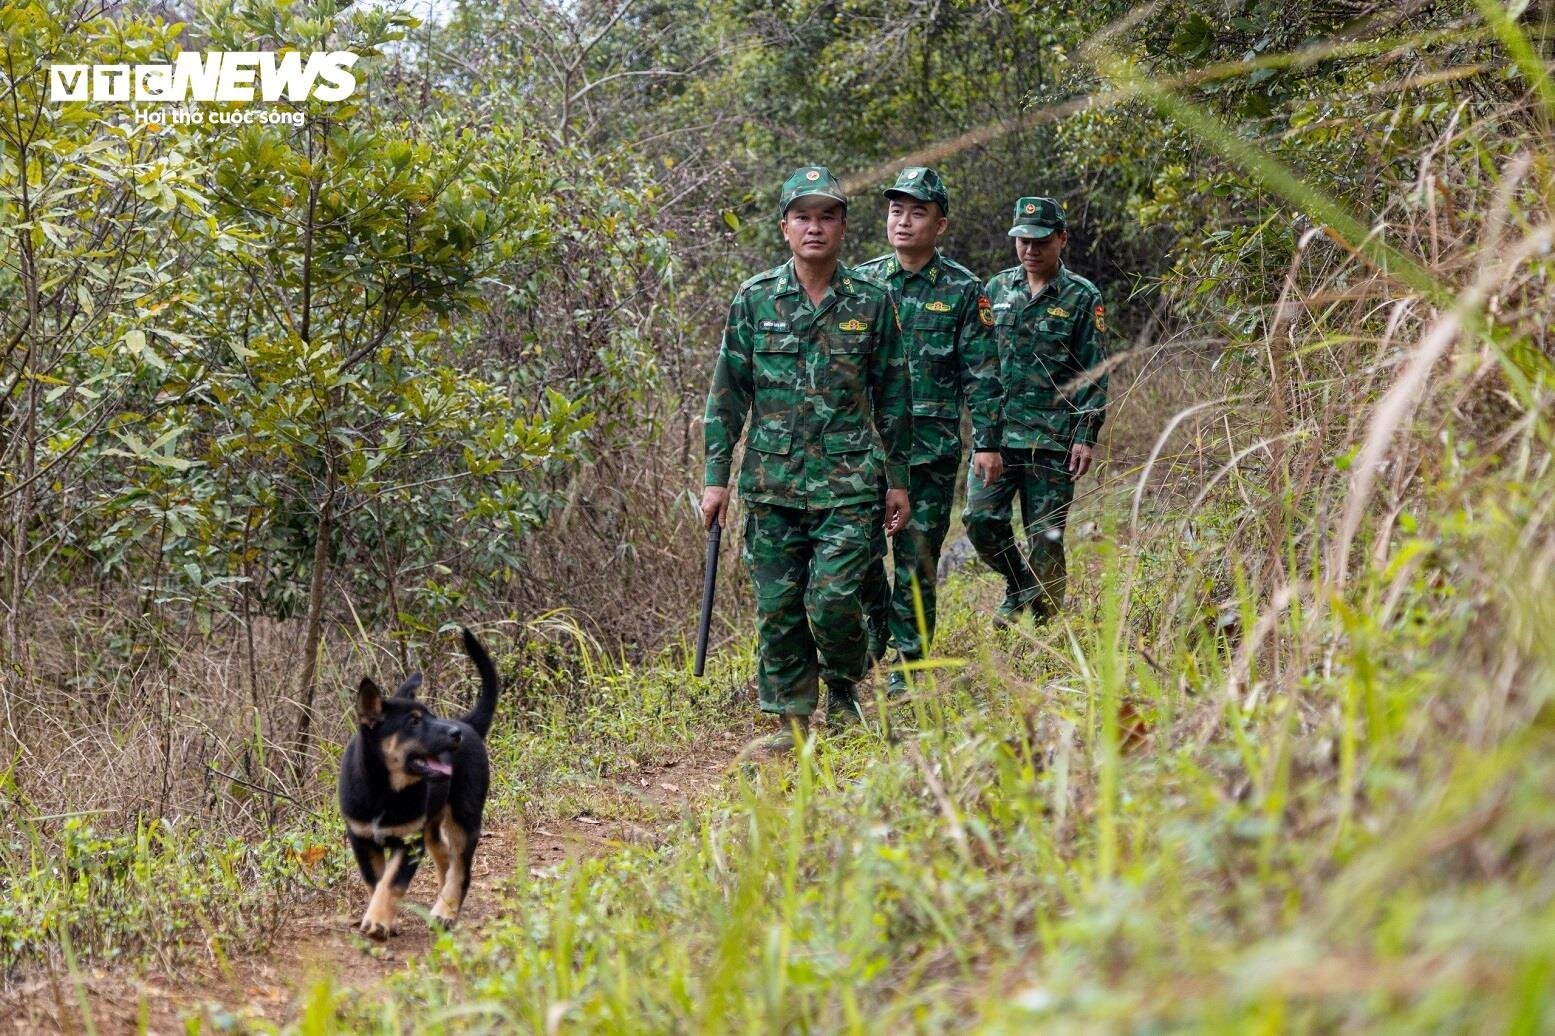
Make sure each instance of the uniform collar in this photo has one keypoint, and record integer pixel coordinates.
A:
(841, 280)
(1060, 280)
(931, 269)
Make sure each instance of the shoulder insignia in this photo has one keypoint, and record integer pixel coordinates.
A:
(984, 311)
(1101, 317)
(937, 306)
(853, 325)
(1057, 311)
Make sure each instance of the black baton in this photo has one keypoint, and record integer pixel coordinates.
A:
(709, 582)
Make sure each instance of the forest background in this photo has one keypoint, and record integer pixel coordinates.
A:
(281, 403)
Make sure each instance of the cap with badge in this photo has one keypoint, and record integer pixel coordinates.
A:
(1038, 218)
(810, 181)
(923, 183)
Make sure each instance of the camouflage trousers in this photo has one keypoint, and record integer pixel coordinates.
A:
(914, 555)
(808, 567)
(1045, 490)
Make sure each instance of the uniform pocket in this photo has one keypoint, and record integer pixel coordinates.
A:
(776, 359)
(765, 439)
(854, 440)
(1055, 422)
(934, 323)
(1004, 329)
(849, 343)
(934, 408)
(1057, 328)
(776, 342)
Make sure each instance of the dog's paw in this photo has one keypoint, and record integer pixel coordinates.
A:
(442, 917)
(378, 931)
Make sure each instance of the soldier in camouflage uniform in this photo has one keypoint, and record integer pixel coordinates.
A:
(947, 324)
(812, 353)
(1048, 323)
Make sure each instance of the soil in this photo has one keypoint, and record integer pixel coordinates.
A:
(321, 941)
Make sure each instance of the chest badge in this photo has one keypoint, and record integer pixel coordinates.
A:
(937, 307)
(853, 325)
(1057, 311)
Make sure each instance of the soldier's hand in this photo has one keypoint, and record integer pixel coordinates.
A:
(715, 501)
(989, 465)
(1079, 460)
(897, 510)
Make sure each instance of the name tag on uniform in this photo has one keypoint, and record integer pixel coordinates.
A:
(937, 307)
(1001, 305)
(774, 325)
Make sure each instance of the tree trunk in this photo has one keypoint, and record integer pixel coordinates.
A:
(313, 637)
(21, 519)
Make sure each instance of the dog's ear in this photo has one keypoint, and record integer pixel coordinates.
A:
(407, 690)
(369, 703)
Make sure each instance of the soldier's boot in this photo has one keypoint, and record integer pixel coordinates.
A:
(1047, 563)
(795, 729)
(878, 639)
(842, 709)
(996, 546)
(899, 682)
(876, 590)
(1016, 600)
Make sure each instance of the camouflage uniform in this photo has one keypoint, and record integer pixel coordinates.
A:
(1046, 344)
(947, 325)
(812, 378)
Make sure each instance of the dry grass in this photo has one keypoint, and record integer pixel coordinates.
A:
(1286, 767)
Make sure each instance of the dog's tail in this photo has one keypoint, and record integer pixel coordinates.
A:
(486, 705)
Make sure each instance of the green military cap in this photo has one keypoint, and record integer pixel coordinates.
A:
(807, 181)
(923, 183)
(1038, 218)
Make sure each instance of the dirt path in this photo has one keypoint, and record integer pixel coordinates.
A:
(321, 941)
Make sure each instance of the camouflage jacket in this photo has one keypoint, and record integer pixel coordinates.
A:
(813, 379)
(948, 327)
(1047, 345)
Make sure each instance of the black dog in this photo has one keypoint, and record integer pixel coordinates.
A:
(409, 779)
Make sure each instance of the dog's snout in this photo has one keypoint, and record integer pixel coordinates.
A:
(454, 734)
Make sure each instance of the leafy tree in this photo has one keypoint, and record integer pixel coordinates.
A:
(98, 223)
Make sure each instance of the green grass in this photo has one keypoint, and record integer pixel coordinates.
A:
(1351, 827)
(156, 893)
(159, 892)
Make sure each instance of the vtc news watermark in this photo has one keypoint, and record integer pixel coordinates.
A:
(216, 76)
